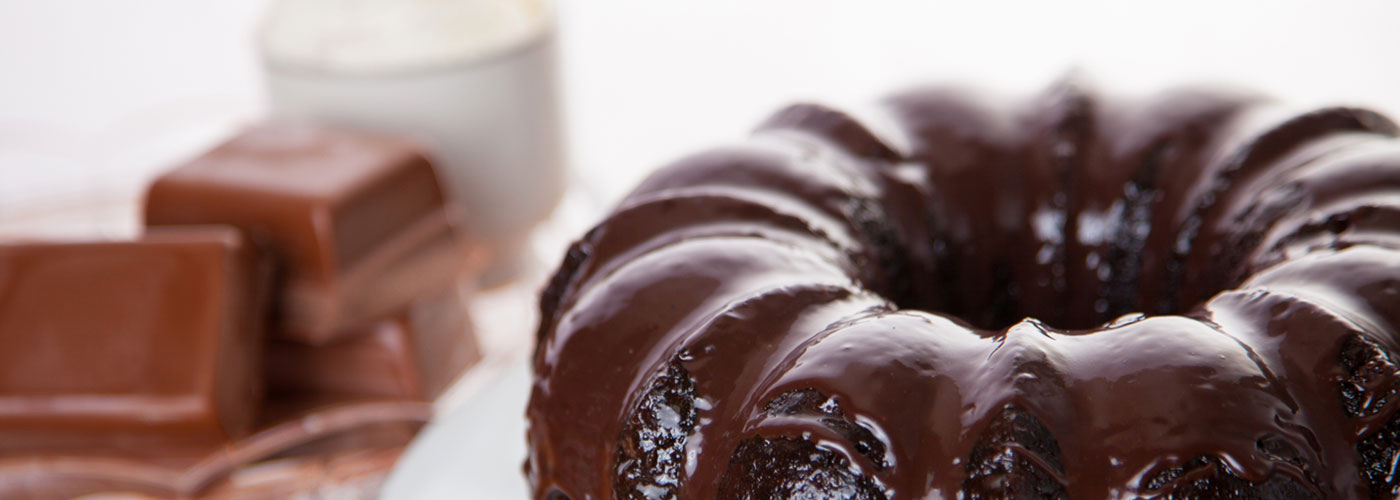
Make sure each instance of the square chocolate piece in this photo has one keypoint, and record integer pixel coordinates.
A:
(133, 344)
(413, 355)
(357, 221)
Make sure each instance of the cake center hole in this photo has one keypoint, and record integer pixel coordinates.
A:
(994, 294)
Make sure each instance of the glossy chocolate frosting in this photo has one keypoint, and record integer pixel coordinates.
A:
(1190, 295)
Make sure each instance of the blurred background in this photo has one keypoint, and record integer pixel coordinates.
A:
(99, 96)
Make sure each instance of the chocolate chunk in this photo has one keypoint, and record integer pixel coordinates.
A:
(129, 344)
(413, 355)
(356, 221)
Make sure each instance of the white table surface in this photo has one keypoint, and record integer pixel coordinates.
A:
(96, 96)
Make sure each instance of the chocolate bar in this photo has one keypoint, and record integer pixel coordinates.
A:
(412, 355)
(357, 221)
(131, 344)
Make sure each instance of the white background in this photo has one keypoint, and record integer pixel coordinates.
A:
(98, 95)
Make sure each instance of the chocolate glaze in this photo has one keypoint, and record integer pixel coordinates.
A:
(946, 298)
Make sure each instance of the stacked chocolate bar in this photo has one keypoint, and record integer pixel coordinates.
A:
(290, 268)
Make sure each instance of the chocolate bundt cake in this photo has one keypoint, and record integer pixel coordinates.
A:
(1192, 295)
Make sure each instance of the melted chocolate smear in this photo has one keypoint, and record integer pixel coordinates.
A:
(651, 451)
(1206, 478)
(1011, 461)
(786, 468)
